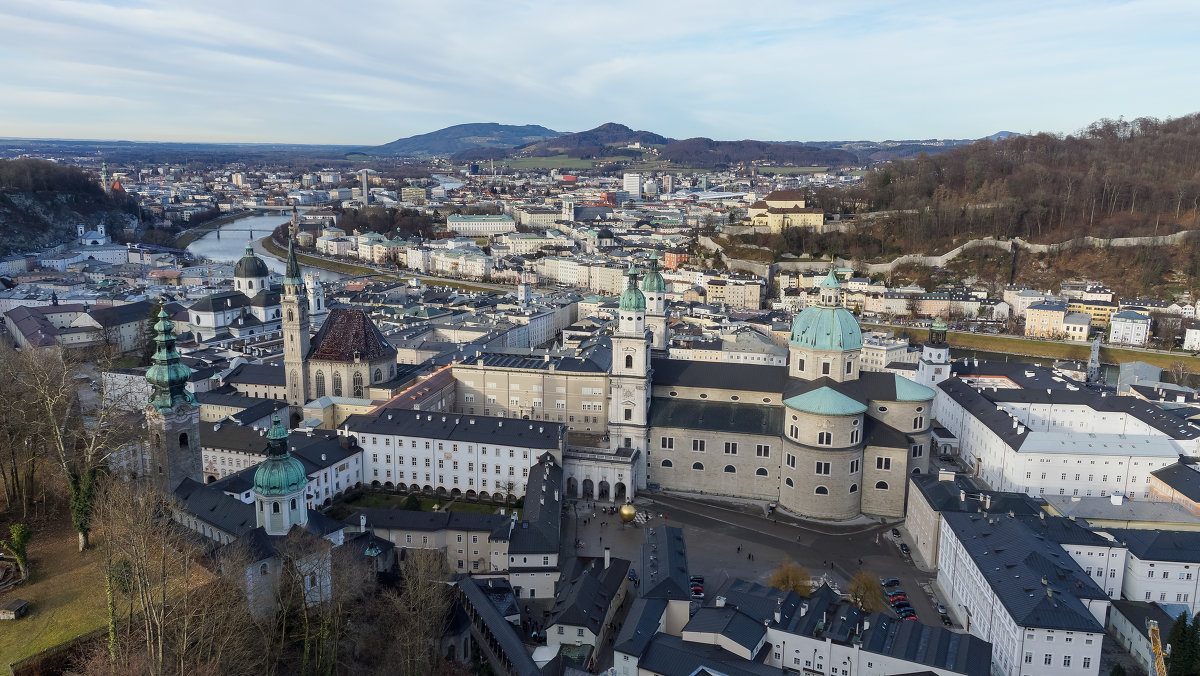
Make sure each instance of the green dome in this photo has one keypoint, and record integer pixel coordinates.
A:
(653, 283)
(825, 401)
(832, 329)
(280, 474)
(632, 300)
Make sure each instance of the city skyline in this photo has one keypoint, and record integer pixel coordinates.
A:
(777, 71)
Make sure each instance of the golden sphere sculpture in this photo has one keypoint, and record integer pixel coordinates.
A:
(627, 513)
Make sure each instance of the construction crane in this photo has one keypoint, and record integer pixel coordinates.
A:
(1160, 665)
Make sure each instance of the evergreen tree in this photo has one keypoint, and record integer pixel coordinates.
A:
(1184, 643)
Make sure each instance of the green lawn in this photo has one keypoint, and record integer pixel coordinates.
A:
(393, 501)
(555, 162)
(66, 596)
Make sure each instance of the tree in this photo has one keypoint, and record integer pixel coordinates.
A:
(864, 592)
(77, 430)
(790, 576)
(1185, 647)
(1179, 372)
(20, 534)
(412, 503)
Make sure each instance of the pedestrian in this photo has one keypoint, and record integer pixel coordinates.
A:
(739, 549)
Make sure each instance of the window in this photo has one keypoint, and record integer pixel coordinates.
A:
(825, 368)
(761, 471)
(789, 482)
(881, 485)
(729, 469)
(320, 384)
(698, 466)
(1046, 659)
(849, 366)
(698, 445)
(337, 384)
(378, 375)
(918, 422)
(854, 465)
(668, 443)
(1087, 661)
(800, 364)
(629, 414)
(357, 382)
(730, 448)
(580, 631)
(628, 361)
(918, 450)
(883, 463)
(854, 436)
(824, 439)
(262, 570)
(791, 461)
(1028, 657)
(822, 468)
(762, 451)
(274, 507)
(667, 463)
(853, 488)
(1066, 660)
(821, 490)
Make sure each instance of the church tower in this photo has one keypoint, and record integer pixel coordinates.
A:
(934, 366)
(316, 293)
(279, 485)
(629, 388)
(294, 302)
(172, 415)
(655, 290)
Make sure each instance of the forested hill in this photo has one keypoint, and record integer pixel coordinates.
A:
(42, 202)
(1116, 178)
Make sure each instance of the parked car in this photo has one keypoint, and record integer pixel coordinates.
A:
(904, 548)
(696, 579)
(946, 621)
(697, 594)
(902, 606)
(896, 598)
(909, 618)
(889, 582)
(633, 575)
(897, 592)
(941, 609)
(895, 532)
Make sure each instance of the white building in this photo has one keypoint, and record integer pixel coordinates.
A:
(1163, 566)
(1038, 609)
(632, 184)
(1129, 327)
(480, 225)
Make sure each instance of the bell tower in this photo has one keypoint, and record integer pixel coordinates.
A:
(295, 324)
(172, 415)
(934, 366)
(279, 482)
(655, 290)
(629, 382)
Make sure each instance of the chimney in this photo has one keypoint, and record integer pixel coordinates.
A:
(1045, 581)
(1117, 498)
(962, 495)
(803, 608)
(987, 501)
(1042, 515)
(720, 601)
(362, 522)
(778, 611)
(607, 557)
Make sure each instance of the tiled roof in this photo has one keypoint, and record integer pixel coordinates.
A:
(347, 331)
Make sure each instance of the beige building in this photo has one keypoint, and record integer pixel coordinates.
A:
(1045, 320)
(783, 209)
(571, 390)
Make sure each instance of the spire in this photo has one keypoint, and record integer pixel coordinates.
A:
(632, 299)
(292, 274)
(168, 377)
(277, 438)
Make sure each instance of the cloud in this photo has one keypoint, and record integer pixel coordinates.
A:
(373, 71)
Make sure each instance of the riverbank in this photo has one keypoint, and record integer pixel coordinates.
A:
(351, 270)
(1049, 349)
(186, 237)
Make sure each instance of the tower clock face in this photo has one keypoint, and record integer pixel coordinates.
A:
(181, 409)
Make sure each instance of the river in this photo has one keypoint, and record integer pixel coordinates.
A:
(228, 243)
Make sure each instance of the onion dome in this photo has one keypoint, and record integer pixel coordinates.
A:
(653, 282)
(632, 300)
(280, 474)
(168, 377)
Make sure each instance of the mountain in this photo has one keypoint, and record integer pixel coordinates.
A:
(463, 137)
(592, 142)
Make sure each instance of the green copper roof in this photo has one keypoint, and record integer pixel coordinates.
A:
(908, 390)
(168, 377)
(826, 328)
(939, 324)
(830, 281)
(280, 474)
(653, 283)
(825, 401)
(632, 300)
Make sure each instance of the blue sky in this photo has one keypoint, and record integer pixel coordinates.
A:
(370, 72)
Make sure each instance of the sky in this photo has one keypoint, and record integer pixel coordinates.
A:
(365, 73)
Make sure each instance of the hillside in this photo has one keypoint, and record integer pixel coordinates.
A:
(464, 137)
(593, 142)
(707, 153)
(41, 203)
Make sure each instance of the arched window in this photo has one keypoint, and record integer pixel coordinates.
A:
(790, 483)
(697, 465)
(274, 507)
(250, 284)
(183, 440)
(881, 485)
(320, 384)
(379, 375)
(628, 361)
(358, 385)
(312, 579)
(853, 488)
(916, 470)
(262, 570)
(293, 503)
(667, 463)
(337, 384)
(391, 370)
(821, 490)
(729, 469)
(291, 316)
(295, 380)
(762, 471)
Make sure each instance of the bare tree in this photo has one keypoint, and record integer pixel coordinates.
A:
(864, 592)
(790, 576)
